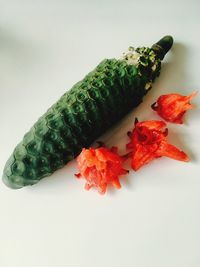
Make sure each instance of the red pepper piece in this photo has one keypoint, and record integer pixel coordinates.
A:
(172, 107)
(100, 167)
(148, 141)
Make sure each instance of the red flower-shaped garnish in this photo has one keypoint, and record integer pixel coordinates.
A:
(100, 167)
(172, 107)
(148, 141)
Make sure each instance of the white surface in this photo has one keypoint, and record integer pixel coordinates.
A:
(47, 46)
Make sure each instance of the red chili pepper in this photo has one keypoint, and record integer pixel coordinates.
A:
(100, 167)
(148, 141)
(172, 107)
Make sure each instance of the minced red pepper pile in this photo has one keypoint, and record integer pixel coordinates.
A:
(100, 167)
(148, 140)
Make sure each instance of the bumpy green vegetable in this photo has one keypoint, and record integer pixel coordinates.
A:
(82, 114)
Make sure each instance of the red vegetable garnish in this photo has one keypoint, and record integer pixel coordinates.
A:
(148, 141)
(172, 107)
(100, 167)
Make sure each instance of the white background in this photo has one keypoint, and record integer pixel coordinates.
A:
(154, 220)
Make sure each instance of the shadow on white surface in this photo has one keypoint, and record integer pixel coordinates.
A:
(16, 49)
(178, 138)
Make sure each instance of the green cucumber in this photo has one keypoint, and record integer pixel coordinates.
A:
(85, 112)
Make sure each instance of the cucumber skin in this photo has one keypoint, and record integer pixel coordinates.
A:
(81, 115)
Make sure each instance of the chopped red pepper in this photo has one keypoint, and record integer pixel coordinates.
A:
(148, 141)
(100, 167)
(172, 107)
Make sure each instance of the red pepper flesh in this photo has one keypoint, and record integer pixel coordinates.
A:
(100, 167)
(172, 107)
(148, 141)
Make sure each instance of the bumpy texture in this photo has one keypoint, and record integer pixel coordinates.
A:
(81, 115)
